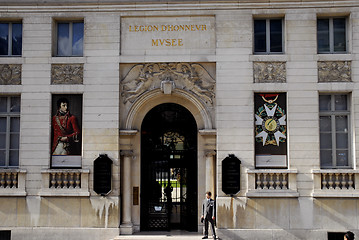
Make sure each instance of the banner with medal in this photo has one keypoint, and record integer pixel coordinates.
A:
(270, 121)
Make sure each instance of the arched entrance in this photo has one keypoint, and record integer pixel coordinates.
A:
(169, 169)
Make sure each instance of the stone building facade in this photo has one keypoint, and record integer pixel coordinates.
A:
(167, 90)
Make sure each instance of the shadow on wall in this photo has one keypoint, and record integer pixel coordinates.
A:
(250, 218)
(338, 215)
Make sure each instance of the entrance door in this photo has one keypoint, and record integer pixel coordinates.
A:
(169, 169)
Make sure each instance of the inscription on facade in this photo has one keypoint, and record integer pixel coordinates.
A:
(10, 74)
(141, 35)
(334, 71)
(168, 42)
(169, 28)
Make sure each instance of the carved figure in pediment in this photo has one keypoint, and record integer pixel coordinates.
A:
(196, 79)
(189, 77)
(133, 87)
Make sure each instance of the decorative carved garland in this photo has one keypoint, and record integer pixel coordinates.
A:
(10, 74)
(191, 77)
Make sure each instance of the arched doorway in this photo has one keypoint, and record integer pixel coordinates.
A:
(169, 169)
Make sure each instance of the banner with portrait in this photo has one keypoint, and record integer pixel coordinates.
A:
(66, 131)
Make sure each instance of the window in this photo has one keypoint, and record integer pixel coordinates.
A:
(331, 35)
(9, 131)
(70, 37)
(10, 39)
(268, 36)
(334, 130)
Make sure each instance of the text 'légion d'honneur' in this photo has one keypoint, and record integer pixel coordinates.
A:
(168, 42)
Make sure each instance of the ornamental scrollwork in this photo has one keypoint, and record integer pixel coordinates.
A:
(67, 73)
(10, 74)
(334, 71)
(269, 72)
(191, 77)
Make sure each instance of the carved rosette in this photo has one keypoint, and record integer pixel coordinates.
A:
(190, 77)
(10, 74)
(67, 73)
(334, 71)
(269, 72)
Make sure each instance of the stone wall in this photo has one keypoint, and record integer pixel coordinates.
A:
(299, 214)
(45, 211)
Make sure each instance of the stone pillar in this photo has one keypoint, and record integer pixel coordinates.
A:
(126, 226)
(210, 172)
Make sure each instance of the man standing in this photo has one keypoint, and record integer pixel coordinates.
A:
(208, 214)
(65, 129)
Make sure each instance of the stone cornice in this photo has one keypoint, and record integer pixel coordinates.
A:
(126, 132)
(143, 5)
(208, 132)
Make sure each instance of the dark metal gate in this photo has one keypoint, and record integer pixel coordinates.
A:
(169, 169)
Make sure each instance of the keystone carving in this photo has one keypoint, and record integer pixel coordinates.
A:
(191, 77)
(67, 73)
(269, 72)
(334, 71)
(10, 74)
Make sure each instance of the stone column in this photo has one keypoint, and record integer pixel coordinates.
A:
(210, 172)
(126, 226)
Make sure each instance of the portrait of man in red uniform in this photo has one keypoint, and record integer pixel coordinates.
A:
(66, 131)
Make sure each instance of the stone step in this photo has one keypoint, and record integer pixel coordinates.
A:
(176, 234)
(158, 237)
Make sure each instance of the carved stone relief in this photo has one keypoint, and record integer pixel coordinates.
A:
(334, 71)
(67, 73)
(10, 74)
(191, 77)
(269, 72)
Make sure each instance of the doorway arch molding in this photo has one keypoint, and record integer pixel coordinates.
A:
(149, 100)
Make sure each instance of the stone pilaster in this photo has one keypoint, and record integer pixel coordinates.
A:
(126, 225)
(210, 171)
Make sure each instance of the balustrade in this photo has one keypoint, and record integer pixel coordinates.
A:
(65, 182)
(65, 179)
(272, 181)
(8, 180)
(337, 181)
(12, 182)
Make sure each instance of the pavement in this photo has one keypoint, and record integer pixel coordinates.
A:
(174, 234)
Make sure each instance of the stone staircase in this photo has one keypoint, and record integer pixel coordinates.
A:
(176, 234)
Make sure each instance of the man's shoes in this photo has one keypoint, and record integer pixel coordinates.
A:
(214, 237)
(205, 237)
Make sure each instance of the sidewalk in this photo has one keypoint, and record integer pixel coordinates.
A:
(175, 234)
